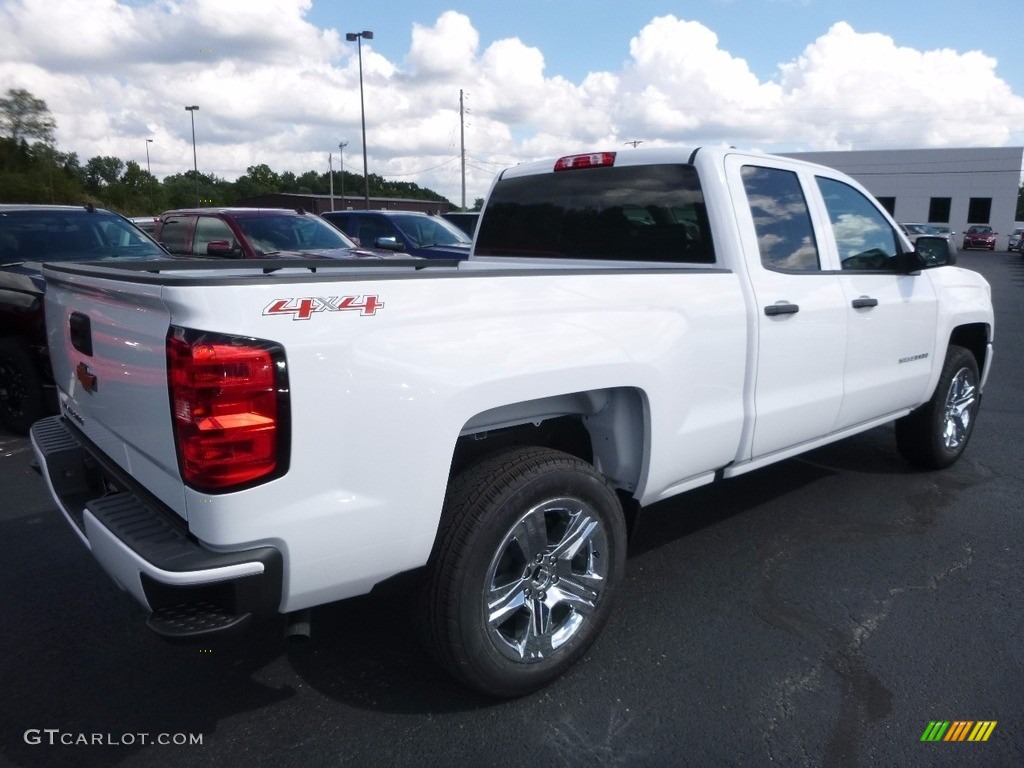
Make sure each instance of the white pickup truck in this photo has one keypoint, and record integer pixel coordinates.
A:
(238, 440)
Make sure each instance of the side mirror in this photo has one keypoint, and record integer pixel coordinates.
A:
(222, 248)
(935, 252)
(389, 244)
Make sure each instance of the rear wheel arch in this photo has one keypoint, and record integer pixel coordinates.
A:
(608, 428)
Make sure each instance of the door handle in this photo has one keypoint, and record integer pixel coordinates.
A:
(864, 302)
(782, 308)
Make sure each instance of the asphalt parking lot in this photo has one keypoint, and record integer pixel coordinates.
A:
(820, 612)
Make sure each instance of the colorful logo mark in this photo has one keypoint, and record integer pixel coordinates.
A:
(958, 730)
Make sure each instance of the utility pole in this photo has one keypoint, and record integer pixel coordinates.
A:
(330, 176)
(462, 142)
(195, 165)
(149, 170)
(357, 38)
(341, 160)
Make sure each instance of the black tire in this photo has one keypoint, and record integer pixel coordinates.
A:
(541, 536)
(22, 401)
(935, 435)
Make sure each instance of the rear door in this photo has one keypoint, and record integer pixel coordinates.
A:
(799, 305)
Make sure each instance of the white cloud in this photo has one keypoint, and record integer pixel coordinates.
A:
(273, 88)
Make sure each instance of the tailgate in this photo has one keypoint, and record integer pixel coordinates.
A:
(107, 341)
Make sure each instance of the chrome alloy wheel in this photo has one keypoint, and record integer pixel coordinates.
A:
(545, 579)
(960, 401)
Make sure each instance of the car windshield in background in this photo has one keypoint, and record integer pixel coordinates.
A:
(40, 236)
(922, 229)
(424, 231)
(270, 234)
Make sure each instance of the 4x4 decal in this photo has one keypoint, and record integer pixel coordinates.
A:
(303, 308)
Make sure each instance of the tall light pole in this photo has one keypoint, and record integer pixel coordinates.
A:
(341, 161)
(359, 37)
(195, 164)
(330, 176)
(150, 172)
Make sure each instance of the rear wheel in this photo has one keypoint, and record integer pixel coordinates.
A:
(22, 401)
(528, 561)
(936, 434)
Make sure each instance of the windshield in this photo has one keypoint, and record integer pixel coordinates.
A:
(71, 235)
(429, 230)
(273, 233)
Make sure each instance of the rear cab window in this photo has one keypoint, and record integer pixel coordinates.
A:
(638, 213)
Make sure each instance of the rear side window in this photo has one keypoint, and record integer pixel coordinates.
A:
(631, 213)
(782, 222)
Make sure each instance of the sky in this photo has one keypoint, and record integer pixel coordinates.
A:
(277, 83)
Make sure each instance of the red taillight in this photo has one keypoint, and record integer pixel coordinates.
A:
(226, 403)
(592, 160)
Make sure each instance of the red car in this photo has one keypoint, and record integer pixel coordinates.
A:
(257, 233)
(980, 237)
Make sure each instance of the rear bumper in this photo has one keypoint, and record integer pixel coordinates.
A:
(191, 590)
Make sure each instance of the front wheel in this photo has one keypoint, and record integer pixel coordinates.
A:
(530, 555)
(936, 434)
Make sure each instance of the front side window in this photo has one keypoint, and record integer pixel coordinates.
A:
(785, 235)
(864, 237)
(210, 229)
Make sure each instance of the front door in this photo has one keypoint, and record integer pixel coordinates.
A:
(891, 314)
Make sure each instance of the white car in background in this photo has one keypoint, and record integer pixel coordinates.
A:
(1016, 240)
(914, 231)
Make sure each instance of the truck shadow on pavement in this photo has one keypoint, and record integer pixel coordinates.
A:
(77, 658)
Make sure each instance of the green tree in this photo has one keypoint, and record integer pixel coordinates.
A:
(258, 180)
(103, 172)
(1020, 204)
(24, 116)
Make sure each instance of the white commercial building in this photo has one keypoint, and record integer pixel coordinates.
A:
(953, 187)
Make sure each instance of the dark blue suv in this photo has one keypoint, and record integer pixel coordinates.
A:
(409, 232)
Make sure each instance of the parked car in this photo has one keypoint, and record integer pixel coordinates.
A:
(980, 237)
(256, 233)
(1016, 240)
(464, 220)
(409, 232)
(29, 236)
(146, 223)
(914, 231)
